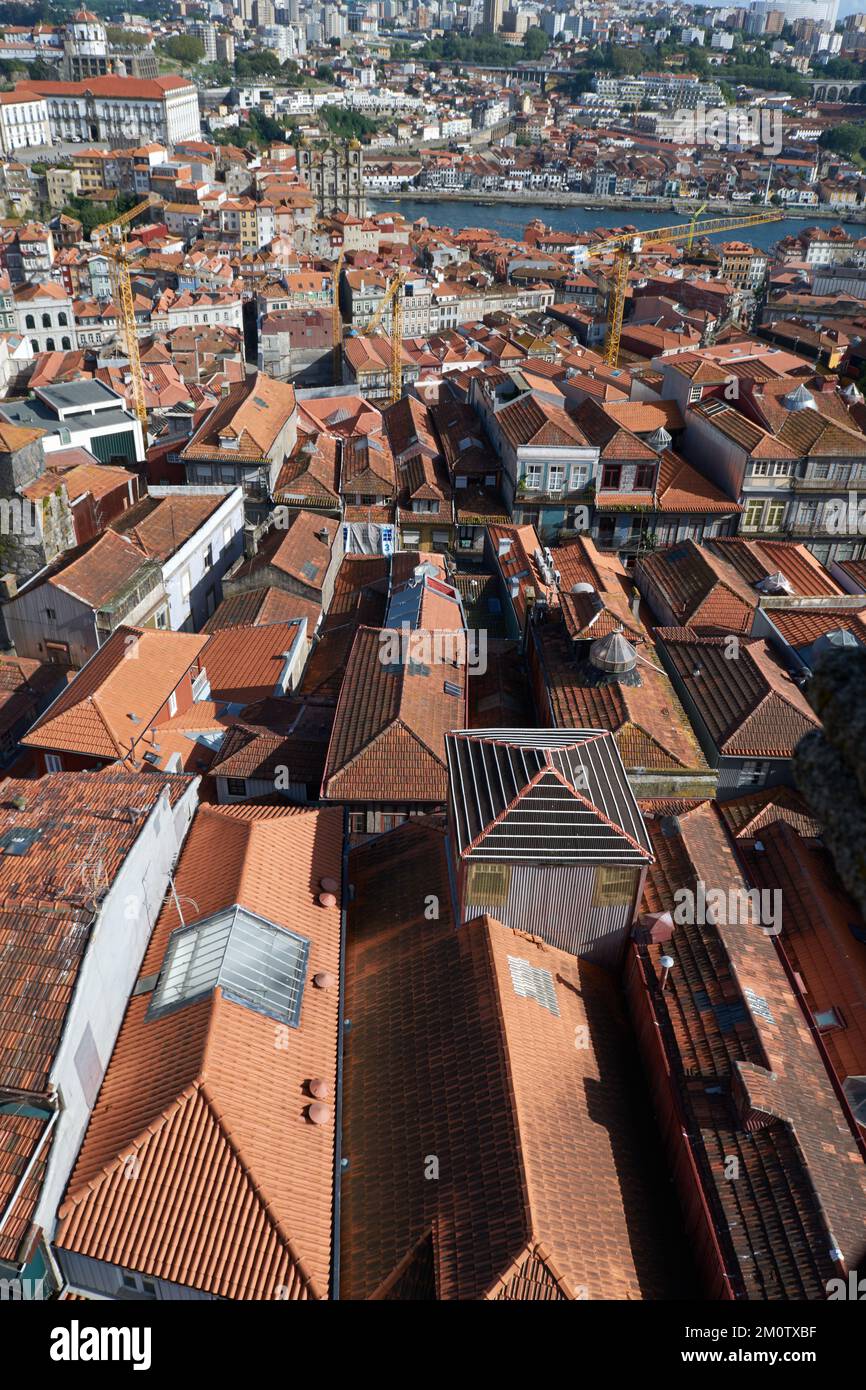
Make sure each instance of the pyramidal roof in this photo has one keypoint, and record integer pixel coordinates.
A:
(799, 399)
(552, 796)
(660, 440)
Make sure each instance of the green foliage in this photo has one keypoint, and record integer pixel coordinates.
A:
(847, 139)
(535, 44)
(183, 48)
(126, 38)
(348, 125)
(92, 215)
(843, 69)
(325, 72)
(483, 48)
(265, 63)
(266, 129)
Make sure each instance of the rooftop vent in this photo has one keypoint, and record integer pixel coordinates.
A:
(660, 440)
(613, 654)
(774, 584)
(319, 1089)
(329, 885)
(323, 979)
(799, 399)
(582, 589)
(855, 1094)
(837, 640)
(327, 900)
(18, 842)
(318, 1113)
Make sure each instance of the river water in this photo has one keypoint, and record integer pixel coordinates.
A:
(510, 218)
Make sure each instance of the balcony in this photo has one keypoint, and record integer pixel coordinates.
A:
(831, 485)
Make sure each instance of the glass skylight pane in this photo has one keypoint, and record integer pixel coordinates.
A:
(530, 982)
(253, 961)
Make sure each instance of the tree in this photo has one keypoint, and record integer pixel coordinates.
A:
(325, 72)
(126, 38)
(347, 124)
(535, 43)
(266, 128)
(184, 48)
(846, 139)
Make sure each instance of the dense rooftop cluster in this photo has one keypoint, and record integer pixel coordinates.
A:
(431, 686)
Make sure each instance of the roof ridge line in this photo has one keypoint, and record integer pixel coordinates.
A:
(78, 1195)
(256, 1188)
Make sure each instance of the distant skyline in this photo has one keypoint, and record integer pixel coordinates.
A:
(846, 7)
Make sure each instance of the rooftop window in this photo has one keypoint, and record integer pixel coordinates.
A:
(253, 962)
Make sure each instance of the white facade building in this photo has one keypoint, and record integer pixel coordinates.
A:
(120, 110)
(23, 122)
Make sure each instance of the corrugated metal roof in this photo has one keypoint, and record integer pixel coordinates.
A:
(543, 795)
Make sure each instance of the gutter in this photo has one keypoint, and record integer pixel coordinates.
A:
(16, 1193)
(338, 1110)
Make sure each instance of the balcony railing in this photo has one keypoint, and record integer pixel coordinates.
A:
(837, 485)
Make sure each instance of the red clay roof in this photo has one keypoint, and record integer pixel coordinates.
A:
(266, 605)
(134, 672)
(750, 1079)
(210, 1100)
(755, 560)
(445, 1060)
(701, 591)
(46, 913)
(750, 706)
(388, 741)
(245, 664)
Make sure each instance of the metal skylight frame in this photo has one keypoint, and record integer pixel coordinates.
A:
(252, 960)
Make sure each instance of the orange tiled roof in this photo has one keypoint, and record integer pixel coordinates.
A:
(133, 673)
(750, 707)
(388, 741)
(252, 413)
(203, 1098)
(759, 1092)
(245, 664)
(445, 1060)
(46, 912)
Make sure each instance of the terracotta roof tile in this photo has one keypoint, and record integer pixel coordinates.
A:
(392, 717)
(444, 1060)
(202, 1095)
(750, 707)
(750, 1081)
(134, 672)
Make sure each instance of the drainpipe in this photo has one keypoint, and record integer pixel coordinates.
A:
(10, 1205)
(338, 1109)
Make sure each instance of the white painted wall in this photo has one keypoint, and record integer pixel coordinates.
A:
(106, 977)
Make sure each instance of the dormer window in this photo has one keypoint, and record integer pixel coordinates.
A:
(229, 441)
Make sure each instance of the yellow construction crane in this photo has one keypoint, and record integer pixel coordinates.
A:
(337, 317)
(113, 246)
(393, 296)
(695, 216)
(628, 246)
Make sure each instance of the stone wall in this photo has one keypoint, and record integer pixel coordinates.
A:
(830, 764)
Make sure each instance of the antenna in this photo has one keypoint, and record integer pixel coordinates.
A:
(667, 964)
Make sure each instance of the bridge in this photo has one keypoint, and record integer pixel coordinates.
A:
(830, 89)
(524, 72)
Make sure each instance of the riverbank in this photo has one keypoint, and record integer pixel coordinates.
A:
(509, 219)
(547, 199)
